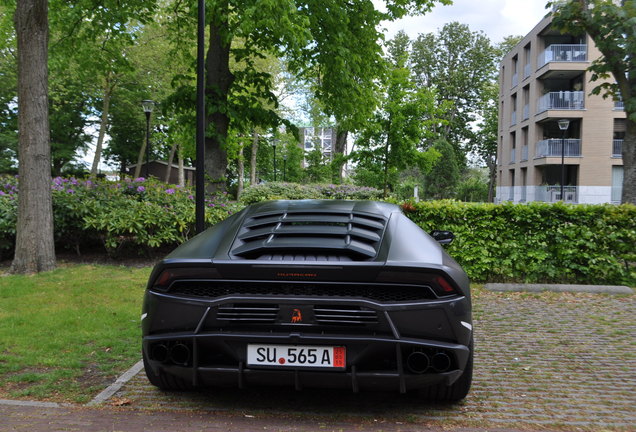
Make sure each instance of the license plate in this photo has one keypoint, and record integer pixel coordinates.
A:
(296, 356)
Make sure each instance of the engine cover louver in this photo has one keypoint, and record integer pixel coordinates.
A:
(309, 236)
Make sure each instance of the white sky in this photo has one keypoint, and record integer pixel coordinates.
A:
(496, 18)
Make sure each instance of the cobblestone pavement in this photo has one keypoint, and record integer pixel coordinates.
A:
(543, 360)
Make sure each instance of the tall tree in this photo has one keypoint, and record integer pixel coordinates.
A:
(458, 63)
(395, 139)
(334, 40)
(612, 26)
(34, 250)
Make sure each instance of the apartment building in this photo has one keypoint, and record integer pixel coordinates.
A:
(556, 141)
(323, 138)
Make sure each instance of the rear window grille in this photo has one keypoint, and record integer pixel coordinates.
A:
(248, 313)
(381, 293)
(350, 235)
(344, 315)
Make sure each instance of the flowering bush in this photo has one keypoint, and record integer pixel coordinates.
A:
(271, 191)
(137, 212)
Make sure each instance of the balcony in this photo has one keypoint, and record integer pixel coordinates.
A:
(527, 70)
(524, 153)
(515, 80)
(617, 148)
(552, 194)
(562, 100)
(563, 53)
(513, 155)
(513, 118)
(619, 105)
(552, 148)
(526, 112)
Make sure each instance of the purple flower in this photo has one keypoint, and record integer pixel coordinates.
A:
(71, 191)
(2, 193)
(170, 191)
(141, 189)
(73, 180)
(190, 197)
(139, 179)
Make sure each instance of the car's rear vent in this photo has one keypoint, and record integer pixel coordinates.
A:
(382, 293)
(339, 315)
(248, 313)
(310, 236)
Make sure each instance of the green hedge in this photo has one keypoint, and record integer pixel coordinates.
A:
(537, 242)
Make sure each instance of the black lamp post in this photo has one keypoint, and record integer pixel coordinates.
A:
(274, 145)
(285, 167)
(148, 106)
(563, 125)
(200, 122)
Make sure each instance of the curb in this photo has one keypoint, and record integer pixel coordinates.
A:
(538, 288)
(105, 394)
(32, 403)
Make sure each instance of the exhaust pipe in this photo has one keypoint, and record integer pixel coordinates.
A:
(180, 354)
(417, 362)
(441, 362)
(159, 352)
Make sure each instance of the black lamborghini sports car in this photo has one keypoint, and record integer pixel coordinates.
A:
(311, 293)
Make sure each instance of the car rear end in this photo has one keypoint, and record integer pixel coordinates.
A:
(337, 294)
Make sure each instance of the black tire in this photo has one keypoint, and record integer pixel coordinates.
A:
(455, 392)
(165, 381)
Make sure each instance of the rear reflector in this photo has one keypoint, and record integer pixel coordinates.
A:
(169, 275)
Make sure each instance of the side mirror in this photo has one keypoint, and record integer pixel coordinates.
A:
(443, 237)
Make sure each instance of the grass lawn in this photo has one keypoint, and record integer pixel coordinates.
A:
(66, 334)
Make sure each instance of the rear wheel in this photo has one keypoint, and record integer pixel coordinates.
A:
(456, 391)
(165, 381)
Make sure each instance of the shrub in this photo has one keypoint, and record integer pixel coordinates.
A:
(538, 242)
(140, 213)
(274, 191)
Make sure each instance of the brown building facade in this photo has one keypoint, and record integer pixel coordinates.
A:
(544, 80)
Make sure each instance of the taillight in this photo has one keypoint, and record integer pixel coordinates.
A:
(442, 287)
(169, 275)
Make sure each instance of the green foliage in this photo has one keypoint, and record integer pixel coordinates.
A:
(458, 63)
(393, 140)
(275, 191)
(588, 244)
(140, 214)
(442, 180)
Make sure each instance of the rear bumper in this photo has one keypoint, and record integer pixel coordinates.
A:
(373, 363)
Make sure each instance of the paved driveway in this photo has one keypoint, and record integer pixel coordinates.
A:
(542, 360)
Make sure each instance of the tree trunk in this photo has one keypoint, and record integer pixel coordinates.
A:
(181, 170)
(492, 177)
(219, 79)
(34, 249)
(170, 159)
(140, 158)
(340, 150)
(629, 164)
(253, 158)
(241, 170)
(108, 89)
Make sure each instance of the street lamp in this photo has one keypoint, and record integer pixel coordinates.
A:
(563, 125)
(285, 167)
(199, 212)
(148, 106)
(274, 145)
